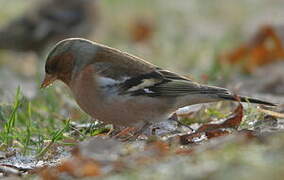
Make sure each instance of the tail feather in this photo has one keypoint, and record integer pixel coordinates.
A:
(245, 99)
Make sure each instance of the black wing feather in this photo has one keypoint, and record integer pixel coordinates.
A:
(166, 84)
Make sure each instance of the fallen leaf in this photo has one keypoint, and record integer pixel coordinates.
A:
(48, 173)
(216, 133)
(161, 148)
(183, 151)
(141, 30)
(233, 121)
(76, 166)
(266, 46)
(212, 130)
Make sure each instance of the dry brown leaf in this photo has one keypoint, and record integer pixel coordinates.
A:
(265, 47)
(160, 147)
(233, 121)
(211, 130)
(141, 30)
(77, 166)
(217, 133)
(182, 151)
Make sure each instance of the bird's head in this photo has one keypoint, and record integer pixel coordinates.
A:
(67, 58)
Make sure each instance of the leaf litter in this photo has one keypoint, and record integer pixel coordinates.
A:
(102, 156)
(264, 47)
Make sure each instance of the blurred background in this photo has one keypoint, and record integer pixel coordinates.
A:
(200, 39)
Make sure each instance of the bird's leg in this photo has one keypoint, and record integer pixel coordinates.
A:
(138, 132)
(112, 129)
(142, 129)
(124, 132)
(174, 117)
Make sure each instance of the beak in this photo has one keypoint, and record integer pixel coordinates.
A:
(48, 79)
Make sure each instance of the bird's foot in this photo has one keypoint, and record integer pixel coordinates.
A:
(125, 132)
(137, 133)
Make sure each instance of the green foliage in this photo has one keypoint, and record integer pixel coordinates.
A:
(28, 124)
(9, 127)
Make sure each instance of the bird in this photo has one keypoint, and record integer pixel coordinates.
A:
(48, 22)
(122, 89)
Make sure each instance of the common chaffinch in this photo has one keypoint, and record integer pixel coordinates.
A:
(48, 22)
(119, 88)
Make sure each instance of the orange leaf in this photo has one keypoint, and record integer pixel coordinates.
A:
(208, 131)
(232, 122)
(141, 30)
(77, 166)
(161, 148)
(265, 47)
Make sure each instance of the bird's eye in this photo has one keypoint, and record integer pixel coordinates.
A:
(47, 70)
(50, 68)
